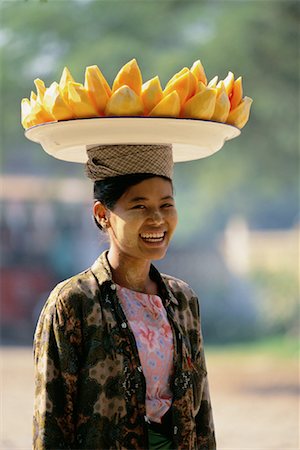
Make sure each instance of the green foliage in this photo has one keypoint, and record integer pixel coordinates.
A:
(255, 175)
(280, 346)
(278, 300)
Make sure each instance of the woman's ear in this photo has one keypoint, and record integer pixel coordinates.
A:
(101, 214)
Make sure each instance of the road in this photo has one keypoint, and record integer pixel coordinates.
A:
(255, 400)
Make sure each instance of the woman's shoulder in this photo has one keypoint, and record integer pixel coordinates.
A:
(176, 285)
(81, 283)
(186, 298)
(73, 292)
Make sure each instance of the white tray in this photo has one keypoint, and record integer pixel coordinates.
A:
(191, 138)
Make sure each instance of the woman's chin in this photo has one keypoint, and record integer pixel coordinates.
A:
(156, 253)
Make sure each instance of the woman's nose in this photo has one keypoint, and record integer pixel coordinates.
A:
(156, 216)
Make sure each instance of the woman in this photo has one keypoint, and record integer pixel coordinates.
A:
(119, 358)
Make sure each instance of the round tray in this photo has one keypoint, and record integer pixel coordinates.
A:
(191, 138)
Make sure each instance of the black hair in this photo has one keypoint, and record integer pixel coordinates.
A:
(109, 190)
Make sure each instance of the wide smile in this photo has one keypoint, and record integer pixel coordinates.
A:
(153, 238)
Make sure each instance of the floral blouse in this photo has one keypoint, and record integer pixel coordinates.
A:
(147, 318)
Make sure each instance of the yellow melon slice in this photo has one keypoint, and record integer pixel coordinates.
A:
(80, 102)
(97, 88)
(151, 94)
(177, 75)
(228, 82)
(40, 89)
(26, 118)
(200, 87)
(222, 107)
(194, 83)
(129, 75)
(169, 106)
(95, 71)
(33, 98)
(185, 86)
(55, 104)
(240, 115)
(198, 70)
(38, 112)
(201, 106)
(237, 93)
(213, 82)
(124, 102)
(190, 80)
(63, 83)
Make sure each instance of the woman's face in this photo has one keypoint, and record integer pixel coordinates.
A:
(143, 220)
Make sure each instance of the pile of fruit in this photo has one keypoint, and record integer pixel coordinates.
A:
(186, 95)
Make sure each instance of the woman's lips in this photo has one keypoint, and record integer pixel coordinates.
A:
(153, 238)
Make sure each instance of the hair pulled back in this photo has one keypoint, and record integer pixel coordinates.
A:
(109, 190)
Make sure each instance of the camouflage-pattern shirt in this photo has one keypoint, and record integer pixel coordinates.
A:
(89, 383)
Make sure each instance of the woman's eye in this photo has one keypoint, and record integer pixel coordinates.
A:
(167, 205)
(139, 207)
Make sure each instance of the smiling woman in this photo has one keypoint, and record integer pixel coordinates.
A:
(142, 221)
(119, 357)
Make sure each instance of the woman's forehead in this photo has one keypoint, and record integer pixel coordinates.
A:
(155, 187)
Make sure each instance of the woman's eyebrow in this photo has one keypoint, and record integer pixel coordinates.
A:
(137, 199)
(168, 197)
(140, 199)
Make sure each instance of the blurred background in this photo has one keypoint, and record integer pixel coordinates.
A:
(237, 241)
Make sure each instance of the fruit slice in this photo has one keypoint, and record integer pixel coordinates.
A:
(198, 70)
(177, 75)
(63, 83)
(222, 107)
(40, 89)
(185, 85)
(33, 98)
(96, 72)
(237, 93)
(38, 112)
(240, 115)
(55, 104)
(124, 102)
(97, 87)
(26, 118)
(130, 75)
(200, 87)
(213, 82)
(169, 106)
(151, 94)
(193, 85)
(201, 106)
(228, 82)
(80, 102)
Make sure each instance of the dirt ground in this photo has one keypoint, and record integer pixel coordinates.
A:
(255, 400)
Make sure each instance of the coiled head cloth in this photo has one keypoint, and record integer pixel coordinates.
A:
(105, 161)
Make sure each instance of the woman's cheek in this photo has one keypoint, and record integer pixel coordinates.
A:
(130, 235)
(173, 216)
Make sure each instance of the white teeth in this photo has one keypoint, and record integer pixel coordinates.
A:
(152, 235)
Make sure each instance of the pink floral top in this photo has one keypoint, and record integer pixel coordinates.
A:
(148, 320)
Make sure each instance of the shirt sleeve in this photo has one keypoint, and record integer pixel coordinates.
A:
(56, 361)
(204, 419)
(204, 422)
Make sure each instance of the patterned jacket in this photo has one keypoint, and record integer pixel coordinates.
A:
(90, 388)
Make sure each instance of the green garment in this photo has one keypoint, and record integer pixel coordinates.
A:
(158, 441)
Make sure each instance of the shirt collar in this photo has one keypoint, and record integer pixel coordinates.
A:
(102, 271)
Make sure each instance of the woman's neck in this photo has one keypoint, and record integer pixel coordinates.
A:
(131, 273)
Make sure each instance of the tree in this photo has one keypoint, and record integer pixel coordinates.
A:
(256, 174)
